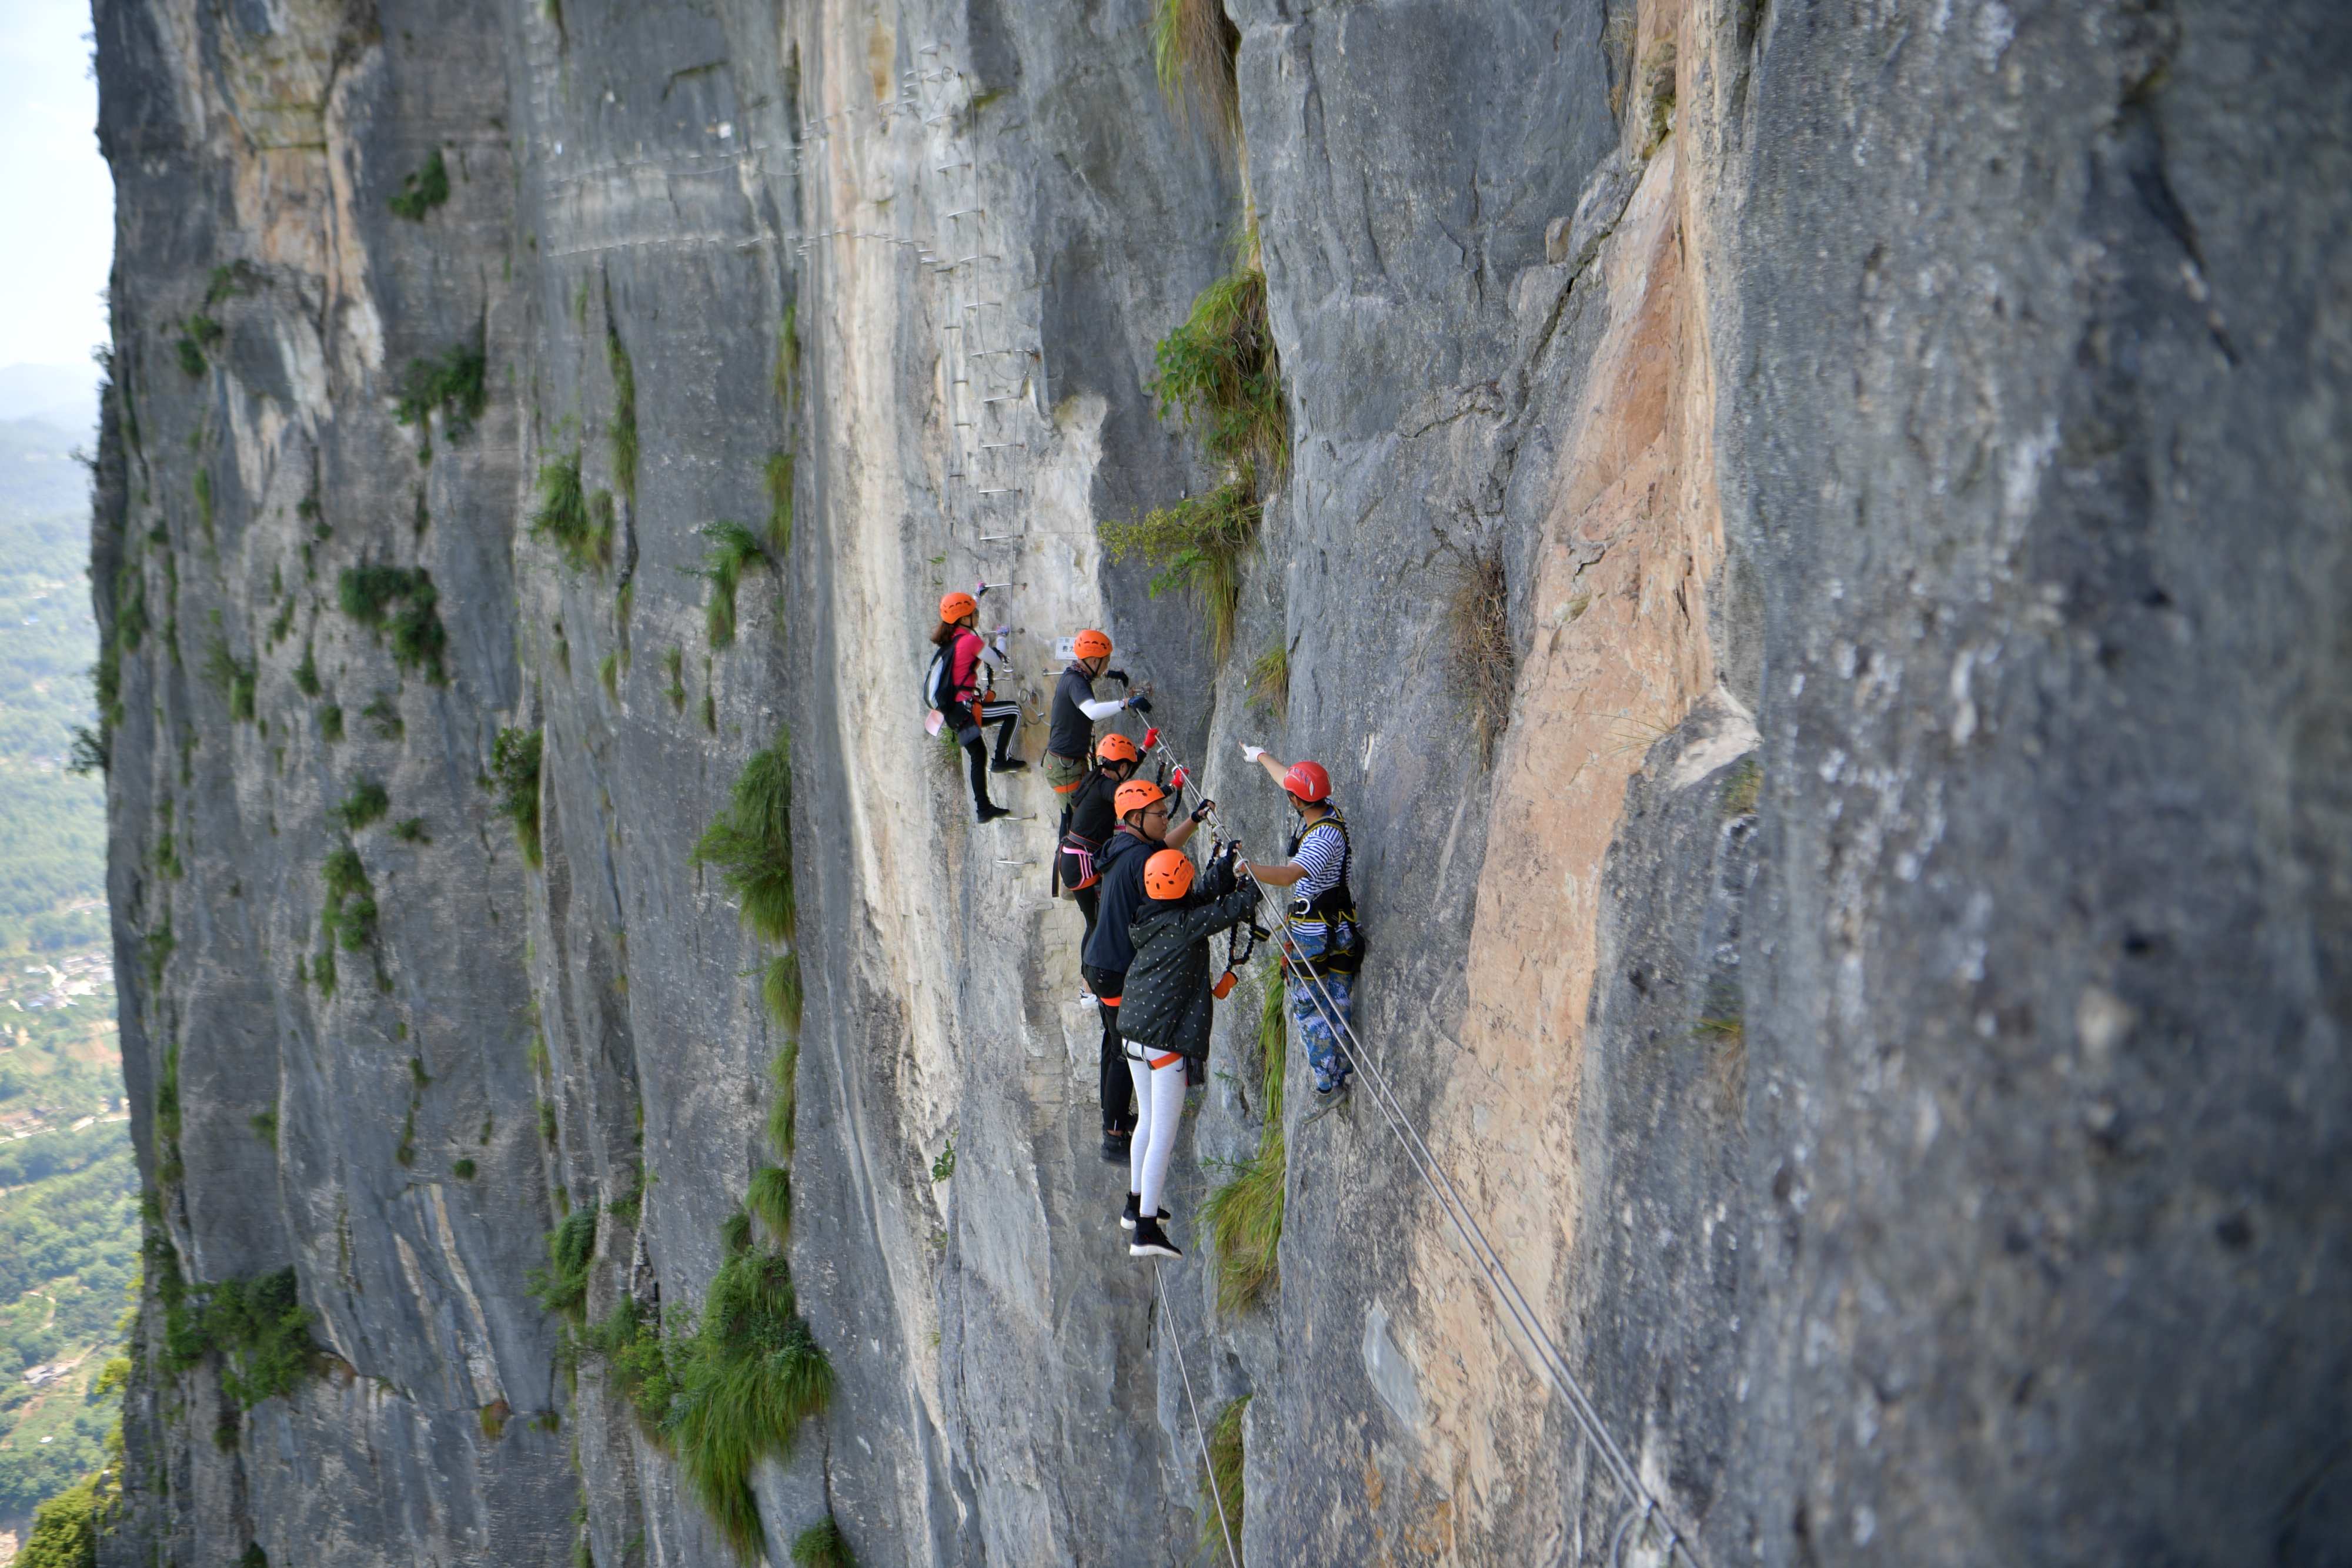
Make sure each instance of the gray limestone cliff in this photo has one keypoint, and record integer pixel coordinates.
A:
(1864, 923)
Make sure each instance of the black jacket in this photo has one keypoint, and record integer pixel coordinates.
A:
(1167, 1006)
(1121, 895)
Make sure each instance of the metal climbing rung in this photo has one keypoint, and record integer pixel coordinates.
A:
(985, 353)
(958, 163)
(1008, 397)
(1013, 490)
(1003, 445)
(965, 212)
(992, 538)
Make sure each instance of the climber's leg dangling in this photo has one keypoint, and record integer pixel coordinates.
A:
(1159, 1095)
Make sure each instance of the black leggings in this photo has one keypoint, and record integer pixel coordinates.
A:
(1113, 1081)
(969, 720)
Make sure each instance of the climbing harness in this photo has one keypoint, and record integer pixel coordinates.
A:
(1200, 1433)
(1642, 1511)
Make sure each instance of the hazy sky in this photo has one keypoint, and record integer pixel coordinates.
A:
(53, 184)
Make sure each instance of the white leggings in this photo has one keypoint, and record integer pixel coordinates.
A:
(1159, 1108)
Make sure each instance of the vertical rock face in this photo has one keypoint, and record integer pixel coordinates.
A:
(1875, 971)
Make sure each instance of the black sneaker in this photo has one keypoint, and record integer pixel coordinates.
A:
(1150, 1241)
(1134, 1211)
(990, 813)
(1115, 1147)
(1007, 765)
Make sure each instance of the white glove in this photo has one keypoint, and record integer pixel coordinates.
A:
(1252, 752)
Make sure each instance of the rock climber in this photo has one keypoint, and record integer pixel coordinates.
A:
(1070, 740)
(1325, 935)
(1087, 821)
(1142, 808)
(961, 685)
(1165, 1020)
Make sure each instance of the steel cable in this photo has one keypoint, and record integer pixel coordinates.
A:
(1642, 1506)
(1200, 1433)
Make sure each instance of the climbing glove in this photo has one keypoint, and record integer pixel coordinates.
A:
(1252, 752)
(1140, 705)
(1118, 675)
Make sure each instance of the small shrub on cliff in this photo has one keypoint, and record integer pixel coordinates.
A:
(1245, 1215)
(751, 842)
(259, 1326)
(514, 772)
(1269, 682)
(368, 803)
(454, 383)
(401, 601)
(1199, 545)
(422, 191)
(562, 1285)
(784, 1073)
(628, 1343)
(771, 1202)
(1218, 373)
(349, 919)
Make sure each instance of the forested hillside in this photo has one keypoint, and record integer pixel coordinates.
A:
(68, 1221)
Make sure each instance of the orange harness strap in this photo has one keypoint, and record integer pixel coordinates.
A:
(1156, 1062)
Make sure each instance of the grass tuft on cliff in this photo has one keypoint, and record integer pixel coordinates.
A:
(1478, 628)
(1269, 682)
(821, 1545)
(733, 548)
(234, 678)
(780, 504)
(746, 1379)
(368, 803)
(784, 1073)
(1245, 1215)
(1193, 50)
(624, 409)
(1199, 544)
(1225, 1467)
(751, 842)
(514, 772)
(580, 532)
(348, 920)
(258, 1327)
(769, 1201)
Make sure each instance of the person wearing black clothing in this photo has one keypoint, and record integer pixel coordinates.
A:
(1142, 809)
(1070, 741)
(1165, 1023)
(1088, 823)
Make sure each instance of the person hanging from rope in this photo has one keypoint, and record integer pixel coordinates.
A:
(1088, 822)
(1325, 933)
(1166, 1014)
(960, 684)
(1070, 740)
(1143, 810)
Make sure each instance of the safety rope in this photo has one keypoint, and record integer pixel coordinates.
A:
(1642, 1508)
(1200, 1433)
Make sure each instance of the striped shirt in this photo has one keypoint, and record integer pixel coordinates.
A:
(1323, 854)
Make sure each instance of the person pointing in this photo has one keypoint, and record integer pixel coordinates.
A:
(1325, 938)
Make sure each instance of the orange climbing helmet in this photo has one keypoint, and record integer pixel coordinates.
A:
(1091, 644)
(1167, 875)
(1136, 794)
(956, 606)
(1116, 747)
(1308, 782)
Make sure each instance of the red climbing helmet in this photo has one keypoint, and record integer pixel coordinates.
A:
(1116, 747)
(1167, 875)
(1306, 781)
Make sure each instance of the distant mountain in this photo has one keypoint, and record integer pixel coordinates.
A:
(62, 395)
